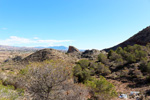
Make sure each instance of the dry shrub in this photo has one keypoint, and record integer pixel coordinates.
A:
(51, 80)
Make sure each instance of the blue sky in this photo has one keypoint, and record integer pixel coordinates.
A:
(86, 24)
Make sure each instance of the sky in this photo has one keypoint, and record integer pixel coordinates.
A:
(85, 24)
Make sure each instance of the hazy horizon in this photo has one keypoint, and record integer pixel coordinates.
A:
(85, 24)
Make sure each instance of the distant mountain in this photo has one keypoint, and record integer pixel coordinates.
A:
(141, 38)
(59, 47)
(13, 48)
(55, 47)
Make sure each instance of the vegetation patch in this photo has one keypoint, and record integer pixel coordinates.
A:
(9, 93)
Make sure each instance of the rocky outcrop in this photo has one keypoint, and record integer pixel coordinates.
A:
(74, 52)
(90, 54)
(72, 49)
(141, 38)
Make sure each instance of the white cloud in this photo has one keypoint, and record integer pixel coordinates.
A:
(4, 28)
(35, 38)
(19, 41)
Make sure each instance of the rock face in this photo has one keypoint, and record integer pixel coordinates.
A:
(90, 54)
(72, 49)
(47, 54)
(141, 38)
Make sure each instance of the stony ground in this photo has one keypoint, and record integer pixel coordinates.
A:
(123, 88)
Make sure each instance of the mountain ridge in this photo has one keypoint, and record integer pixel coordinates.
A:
(12, 48)
(55, 47)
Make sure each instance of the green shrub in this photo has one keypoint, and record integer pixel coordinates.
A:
(24, 71)
(77, 70)
(114, 56)
(85, 69)
(102, 58)
(84, 63)
(110, 53)
(102, 69)
(4, 98)
(85, 75)
(131, 58)
(20, 91)
(129, 48)
(92, 71)
(81, 74)
(143, 65)
(8, 92)
(140, 54)
(102, 87)
(119, 50)
(93, 65)
(119, 61)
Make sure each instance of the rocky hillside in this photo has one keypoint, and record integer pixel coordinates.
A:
(141, 38)
(92, 74)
